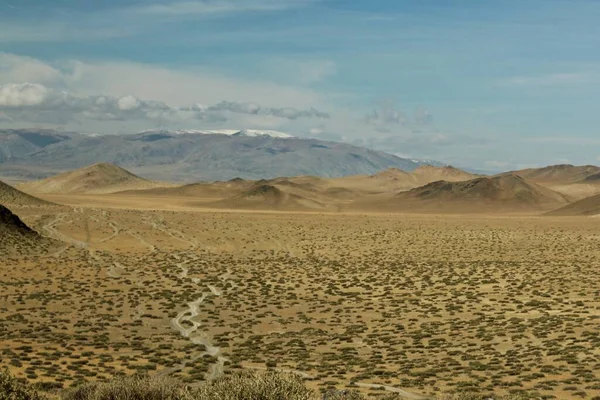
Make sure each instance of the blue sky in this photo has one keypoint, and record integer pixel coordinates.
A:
(480, 83)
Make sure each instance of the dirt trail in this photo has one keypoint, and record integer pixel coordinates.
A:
(187, 324)
(50, 228)
(175, 234)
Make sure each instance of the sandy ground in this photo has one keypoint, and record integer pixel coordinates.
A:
(417, 303)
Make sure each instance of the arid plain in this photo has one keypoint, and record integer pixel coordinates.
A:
(340, 287)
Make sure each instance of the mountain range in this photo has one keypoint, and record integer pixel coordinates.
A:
(189, 155)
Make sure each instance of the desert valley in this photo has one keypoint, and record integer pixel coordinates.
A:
(299, 200)
(416, 283)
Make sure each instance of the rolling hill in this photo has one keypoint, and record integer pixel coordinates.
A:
(97, 178)
(557, 174)
(268, 197)
(584, 207)
(426, 174)
(508, 193)
(199, 190)
(575, 182)
(394, 179)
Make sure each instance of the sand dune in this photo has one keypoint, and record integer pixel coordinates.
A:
(94, 179)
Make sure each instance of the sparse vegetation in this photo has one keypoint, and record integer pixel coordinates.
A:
(348, 302)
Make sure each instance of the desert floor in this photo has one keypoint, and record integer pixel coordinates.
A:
(420, 303)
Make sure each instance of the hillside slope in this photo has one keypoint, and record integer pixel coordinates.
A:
(12, 196)
(575, 182)
(16, 237)
(268, 197)
(509, 193)
(557, 174)
(394, 179)
(587, 206)
(97, 178)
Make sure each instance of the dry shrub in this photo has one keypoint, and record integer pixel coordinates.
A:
(253, 386)
(12, 389)
(131, 388)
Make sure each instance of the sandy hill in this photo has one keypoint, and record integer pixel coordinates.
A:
(594, 178)
(95, 179)
(394, 179)
(303, 186)
(268, 197)
(11, 196)
(207, 190)
(392, 174)
(588, 206)
(427, 174)
(575, 182)
(557, 174)
(508, 193)
(18, 238)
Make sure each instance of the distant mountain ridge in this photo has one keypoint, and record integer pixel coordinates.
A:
(227, 132)
(189, 155)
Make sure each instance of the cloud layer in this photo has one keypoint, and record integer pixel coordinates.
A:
(38, 103)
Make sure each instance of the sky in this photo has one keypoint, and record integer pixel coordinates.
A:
(493, 85)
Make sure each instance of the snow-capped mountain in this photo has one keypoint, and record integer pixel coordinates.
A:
(189, 155)
(433, 163)
(227, 132)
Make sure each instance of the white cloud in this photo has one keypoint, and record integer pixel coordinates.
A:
(128, 103)
(178, 87)
(181, 87)
(36, 102)
(23, 95)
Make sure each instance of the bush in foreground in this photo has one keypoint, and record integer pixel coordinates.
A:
(12, 389)
(131, 388)
(241, 386)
